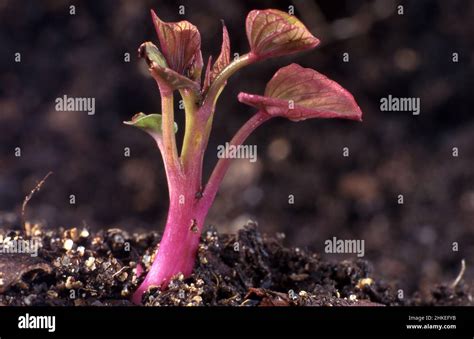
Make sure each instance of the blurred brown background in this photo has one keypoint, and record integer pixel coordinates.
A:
(353, 197)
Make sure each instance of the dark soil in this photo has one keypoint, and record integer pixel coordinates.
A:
(74, 267)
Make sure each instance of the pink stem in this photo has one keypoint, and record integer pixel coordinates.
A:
(179, 244)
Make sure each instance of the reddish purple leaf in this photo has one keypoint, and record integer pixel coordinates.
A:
(222, 61)
(224, 57)
(272, 33)
(299, 93)
(180, 44)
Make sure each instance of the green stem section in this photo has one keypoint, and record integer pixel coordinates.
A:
(199, 121)
(170, 152)
(190, 108)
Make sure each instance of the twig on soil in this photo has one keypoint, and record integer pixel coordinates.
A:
(28, 198)
(460, 275)
(120, 271)
(217, 279)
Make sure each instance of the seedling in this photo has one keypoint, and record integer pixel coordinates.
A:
(294, 92)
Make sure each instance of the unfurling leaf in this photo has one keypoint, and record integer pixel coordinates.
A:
(180, 44)
(272, 33)
(224, 57)
(160, 71)
(151, 54)
(212, 71)
(299, 93)
(151, 123)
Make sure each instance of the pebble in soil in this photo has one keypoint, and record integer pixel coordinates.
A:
(75, 267)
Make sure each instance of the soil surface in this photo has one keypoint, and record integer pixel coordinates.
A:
(76, 267)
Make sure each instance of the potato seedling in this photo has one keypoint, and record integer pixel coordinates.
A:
(294, 92)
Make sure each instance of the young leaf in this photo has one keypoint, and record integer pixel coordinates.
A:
(299, 93)
(272, 33)
(151, 54)
(151, 123)
(221, 62)
(224, 57)
(180, 43)
(159, 70)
